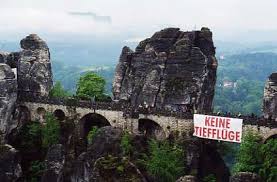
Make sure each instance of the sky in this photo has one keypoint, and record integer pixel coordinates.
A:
(133, 20)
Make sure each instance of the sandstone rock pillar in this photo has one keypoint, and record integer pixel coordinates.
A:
(8, 96)
(34, 67)
(270, 98)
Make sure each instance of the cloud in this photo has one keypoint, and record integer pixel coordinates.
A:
(95, 17)
(135, 18)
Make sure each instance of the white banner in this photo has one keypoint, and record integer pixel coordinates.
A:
(217, 128)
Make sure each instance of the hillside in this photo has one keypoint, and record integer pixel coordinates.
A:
(239, 88)
(240, 82)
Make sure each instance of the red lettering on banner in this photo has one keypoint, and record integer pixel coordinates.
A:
(212, 121)
(207, 119)
(214, 132)
(221, 122)
(228, 123)
(231, 135)
(204, 132)
(237, 136)
(196, 130)
(209, 132)
(224, 134)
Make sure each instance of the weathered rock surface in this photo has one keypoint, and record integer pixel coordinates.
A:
(187, 178)
(104, 160)
(10, 169)
(245, 177)
(55, 161)
(10, 59)
(34, 67)
(270, 97)
(3, 57)
(8, 96)
(172, 69)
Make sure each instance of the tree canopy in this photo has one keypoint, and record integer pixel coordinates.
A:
(255, 156)
(91, 85)
(58, 91)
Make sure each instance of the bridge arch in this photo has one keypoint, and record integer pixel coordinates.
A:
(59, 114)
(151, 129)
(41, 112)
(271, 135)
(88, 121)
(24, 114)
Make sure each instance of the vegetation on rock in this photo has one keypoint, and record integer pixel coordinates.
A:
(91, 85)
(165, 162)
(58, 91)
(256, 157)
(37, 168)
(126, 144)
(94, 130)
(50, 131)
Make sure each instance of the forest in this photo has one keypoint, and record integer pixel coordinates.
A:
(239, 87)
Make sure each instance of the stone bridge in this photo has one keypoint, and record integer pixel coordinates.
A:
(158, 123)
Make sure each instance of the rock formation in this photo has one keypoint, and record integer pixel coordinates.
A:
(8, 96)
(10, 169)
(55, 160)
(9, 58)
(187, 178)
(172, 70)
(34, 67)
(270, 97)
(104, 158)
(245, 177)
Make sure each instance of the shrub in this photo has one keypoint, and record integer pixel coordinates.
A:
(92, 133)
(269, 166)
(36, 170)
(58, 91)
(125, 144)
(256, 157)
(249, 157)
(165, 162)
(209, 178)
(50, 131)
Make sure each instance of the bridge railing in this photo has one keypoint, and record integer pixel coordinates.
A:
(129, 111)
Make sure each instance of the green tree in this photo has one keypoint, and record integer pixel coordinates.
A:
(91, 85)
(249, 157)
(209, 178)
(92, 133)
(36, 170)
(165, 162)
(269, 167)
(50, 131)
(254, 156)
(125, 144)
(58, 91)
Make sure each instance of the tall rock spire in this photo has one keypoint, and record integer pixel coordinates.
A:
(270, 97)
(34, 67)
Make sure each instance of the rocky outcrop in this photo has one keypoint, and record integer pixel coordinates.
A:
(104, 160)
(34, 67)
(187, 178)
(55, 160)
(3, 57)
(245, 177)
(8, 96)
(106, 142)
(10, 169)
(10, 59)
(270, 98)
(172, 70)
